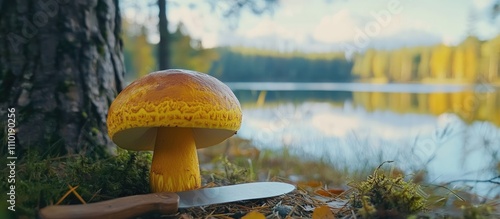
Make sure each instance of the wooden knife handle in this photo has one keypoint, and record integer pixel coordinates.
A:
(125, 207)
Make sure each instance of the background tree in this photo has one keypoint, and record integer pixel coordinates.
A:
(406, 65)
(472, 50)
(440, 63)
(163, 45)
(138, 52)
(186, 52)
(246, 64)
(363, 64)
(189, 53)
(230, 10)
(61, 65)
(395, 66)
(381, 64)
(490, 60)
(143, 57)
(423, 68)
(458, 63)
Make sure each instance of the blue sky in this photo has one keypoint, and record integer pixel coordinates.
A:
(326, 25)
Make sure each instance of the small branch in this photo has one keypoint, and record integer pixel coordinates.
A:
(492, 180)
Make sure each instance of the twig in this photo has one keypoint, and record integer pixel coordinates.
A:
(492, 180)
(451, 191)
(387, 161)
(76, 194)
(95, 194)
(65, 195)
(71, 190)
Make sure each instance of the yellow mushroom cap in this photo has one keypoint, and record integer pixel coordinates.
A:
(173, 98)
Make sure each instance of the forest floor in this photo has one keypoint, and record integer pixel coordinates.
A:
(322, 190)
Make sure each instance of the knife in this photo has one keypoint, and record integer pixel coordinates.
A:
(166, 202)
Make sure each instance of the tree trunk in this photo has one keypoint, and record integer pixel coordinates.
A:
(163, 49)
(61, 65)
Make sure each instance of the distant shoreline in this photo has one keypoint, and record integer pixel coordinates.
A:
(363, 87)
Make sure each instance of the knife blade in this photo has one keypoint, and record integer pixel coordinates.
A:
(166, 202)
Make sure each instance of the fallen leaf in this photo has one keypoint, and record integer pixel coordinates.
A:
(254, 215)
(329, 192)
(322, 212)
(314, 183)
(322, 192)
(310, 184)
(336, 191)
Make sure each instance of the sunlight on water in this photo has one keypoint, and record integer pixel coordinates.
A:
(418, 132)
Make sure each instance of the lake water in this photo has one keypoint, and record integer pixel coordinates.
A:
(452, 131)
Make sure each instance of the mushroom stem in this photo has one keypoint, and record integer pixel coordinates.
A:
(175, 161)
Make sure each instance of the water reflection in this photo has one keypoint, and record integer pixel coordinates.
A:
(471, 103)
(452, 134)
(468, 105)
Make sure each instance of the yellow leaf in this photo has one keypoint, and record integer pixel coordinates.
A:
(254, 215)
(322, 212)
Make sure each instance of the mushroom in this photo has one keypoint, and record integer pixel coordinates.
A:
(174, 112)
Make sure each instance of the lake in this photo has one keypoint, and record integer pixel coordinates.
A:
(452, 131)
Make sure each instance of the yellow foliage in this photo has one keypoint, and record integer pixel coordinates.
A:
(438, 103)
(363, 99)
(254, 215)
(144, 60)
(400, 102)
(395, 66)
(380, 64)
(139, 56)
(188, 53)
(366, 63)
(406, 65)
(440, 63)
(424, 62)
(471, 58)
(378, 100)
(423, 103)
(458, 65)
(470, 61)
(322, 212)
(469, 105)
(490, 60)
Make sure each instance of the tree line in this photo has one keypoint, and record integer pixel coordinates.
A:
(471, 61)
(245, 64)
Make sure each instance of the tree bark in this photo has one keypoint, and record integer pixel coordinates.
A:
(61, 65)
(163, 48)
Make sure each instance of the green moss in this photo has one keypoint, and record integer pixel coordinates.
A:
(225, 172)
(381, 196)
(94, 130)
(42, 181)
